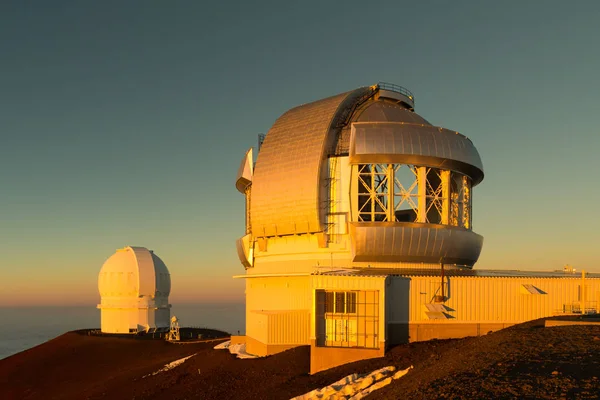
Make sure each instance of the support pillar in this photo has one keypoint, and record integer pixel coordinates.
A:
(422, 196)
(391, 209)
(445, 178)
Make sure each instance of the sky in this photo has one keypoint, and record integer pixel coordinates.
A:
(124, 123)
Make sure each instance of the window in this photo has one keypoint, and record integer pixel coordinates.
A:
(373, 193)
(460, 200)
(408, 193)
(340, 302)
(347, 318)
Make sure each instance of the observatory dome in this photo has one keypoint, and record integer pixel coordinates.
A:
(134, 271)
(359, 180)
(134, 285)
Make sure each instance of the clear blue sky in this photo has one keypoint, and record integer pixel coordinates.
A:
(124, 122)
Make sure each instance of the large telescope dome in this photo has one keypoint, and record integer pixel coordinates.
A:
(359, 180)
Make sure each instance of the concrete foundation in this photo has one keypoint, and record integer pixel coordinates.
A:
(422, 332)
(257, 348)
(322, 358)
(549, 323)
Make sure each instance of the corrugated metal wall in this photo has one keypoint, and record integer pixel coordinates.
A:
(278, 309)
(492, 299)
(290, 327)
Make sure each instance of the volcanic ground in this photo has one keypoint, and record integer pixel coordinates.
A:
(524, 361)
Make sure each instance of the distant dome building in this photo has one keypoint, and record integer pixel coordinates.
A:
(134, 285)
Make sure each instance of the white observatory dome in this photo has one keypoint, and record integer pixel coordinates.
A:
(134, 285)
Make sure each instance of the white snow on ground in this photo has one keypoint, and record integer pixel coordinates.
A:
(171, 365)
(237, 349)
(240, 350)
(224, 345)
(356, 386)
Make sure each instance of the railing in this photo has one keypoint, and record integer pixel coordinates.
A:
(398, 89)
(575, 308)
(343, 118)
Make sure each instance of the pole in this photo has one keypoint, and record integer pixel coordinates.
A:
(582, 291)
(443, 295)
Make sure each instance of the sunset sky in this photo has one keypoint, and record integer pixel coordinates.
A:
(124, 122)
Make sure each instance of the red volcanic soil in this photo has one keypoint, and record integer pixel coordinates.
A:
(524, 361)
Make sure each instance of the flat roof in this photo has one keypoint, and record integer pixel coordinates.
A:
(481, 273)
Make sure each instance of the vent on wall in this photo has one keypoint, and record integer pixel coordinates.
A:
(530, 289)
(438, 311)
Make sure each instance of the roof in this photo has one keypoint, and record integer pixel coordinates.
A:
(479, 273)
(134, 271)
(290, 162)
(288, 178)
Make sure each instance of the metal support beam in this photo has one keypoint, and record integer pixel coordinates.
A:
(466, 214)
(422, 196)
(391, 217)
(248, 194)
(445, 177)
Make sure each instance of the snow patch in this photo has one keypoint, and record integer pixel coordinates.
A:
(236, 349)
(356, 386)
(223, 345)
(171, 365)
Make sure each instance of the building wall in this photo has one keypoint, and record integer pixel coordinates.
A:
(478, 305)
(162, 318)
(282, 312)
(114, 321)
(277, 313)
(122, 320)
(498, 299)
(299, 253)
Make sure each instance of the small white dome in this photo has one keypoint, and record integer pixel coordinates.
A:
(134, 285)
(134, 272)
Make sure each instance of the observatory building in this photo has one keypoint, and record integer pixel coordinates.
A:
(134, 285)
(359, 235)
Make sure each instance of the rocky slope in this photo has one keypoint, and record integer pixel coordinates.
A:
(525, 361)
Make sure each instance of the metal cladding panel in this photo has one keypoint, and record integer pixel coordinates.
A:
(289, 327)
(348, 282)
(417, 144)
(497, 299)
(381, 111)
(413, 242)
(243, 250)
(163, 277)
(244, 174)
(119, 276)
(278, 293)
(147, 276)
(257, 326)
(286, 183)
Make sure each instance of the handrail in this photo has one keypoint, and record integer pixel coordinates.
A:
(398, 89)
(346, 114)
